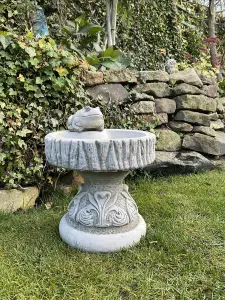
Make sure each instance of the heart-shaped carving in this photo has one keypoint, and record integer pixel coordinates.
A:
(102, 197)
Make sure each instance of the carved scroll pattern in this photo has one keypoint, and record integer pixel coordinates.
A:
(102, 209)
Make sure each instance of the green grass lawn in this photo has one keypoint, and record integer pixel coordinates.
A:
(182, 256)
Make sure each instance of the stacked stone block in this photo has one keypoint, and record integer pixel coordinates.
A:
(198, 113)
(155, 86)
(184, 107)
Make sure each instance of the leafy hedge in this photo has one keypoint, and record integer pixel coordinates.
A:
(39, 82)
(193, 27)
(39, 88)
(150, 30)
(146, 30)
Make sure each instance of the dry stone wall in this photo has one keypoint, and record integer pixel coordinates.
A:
(184, 107)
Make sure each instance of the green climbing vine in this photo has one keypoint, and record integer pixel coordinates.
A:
(150, 31)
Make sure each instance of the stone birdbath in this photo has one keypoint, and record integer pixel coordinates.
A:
(103, 216)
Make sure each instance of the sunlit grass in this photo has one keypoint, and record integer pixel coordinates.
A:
(182, 256)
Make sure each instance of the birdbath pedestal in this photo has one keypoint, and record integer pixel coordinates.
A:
(103, 216)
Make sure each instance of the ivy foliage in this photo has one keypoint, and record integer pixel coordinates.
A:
(144, 28)
(39, 89)
(151, 31)
(40, 79)
(221, 35)
(192, 20)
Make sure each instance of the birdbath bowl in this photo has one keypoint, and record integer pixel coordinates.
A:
(103, 216)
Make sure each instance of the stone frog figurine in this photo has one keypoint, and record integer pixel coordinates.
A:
(88, 118)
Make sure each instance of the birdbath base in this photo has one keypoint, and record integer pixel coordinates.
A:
(102, 217)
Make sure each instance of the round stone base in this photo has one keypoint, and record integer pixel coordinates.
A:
(92, 242)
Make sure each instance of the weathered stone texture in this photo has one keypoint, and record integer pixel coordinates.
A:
(179, 162)
(188, 76)
(143, 107)
(217, 125)
(220, 107)
(158, 90)
(196, 102)
(207, 80)
(180, 126)
(206, 144)
(165, 105)
(141, 96)
(92, 78)
(12, 200)
(154, 119)
(167, 140)
(190, 106)
(151, 76)
(193, 117)
(222, 101)
(214, 116)
(114, 93)
(119, 76)
(184, 88)
(210, 91)
(205, 130)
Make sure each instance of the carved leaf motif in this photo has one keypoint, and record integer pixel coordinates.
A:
(118, 217)
(132, 208)
(103, 202)
(87, 216)
(74, 205)
(103, 210)
(114, 214)
(102, 199)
